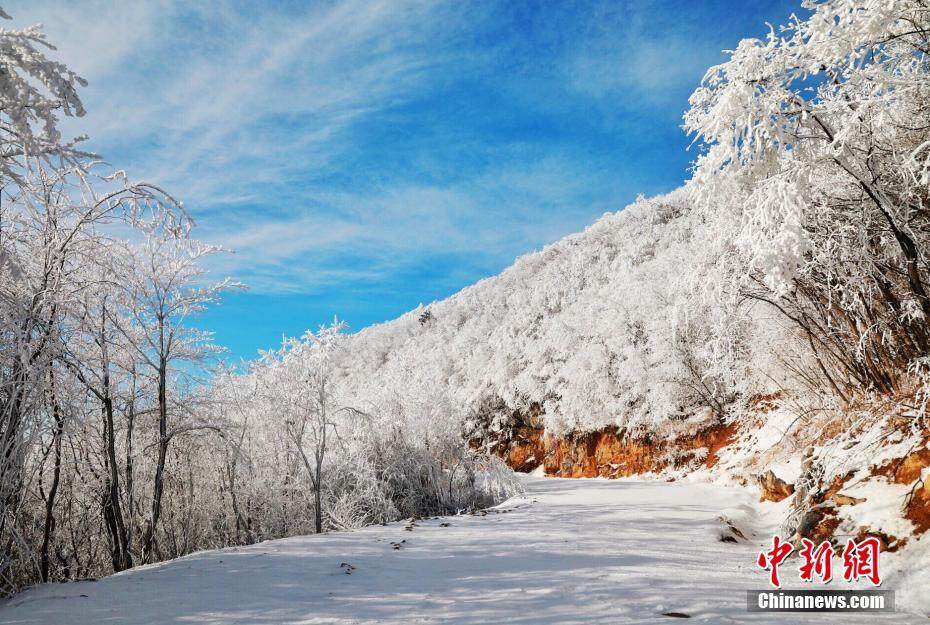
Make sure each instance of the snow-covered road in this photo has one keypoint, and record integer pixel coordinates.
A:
(570, 551)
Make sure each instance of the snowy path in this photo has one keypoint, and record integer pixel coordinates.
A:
(570, 551)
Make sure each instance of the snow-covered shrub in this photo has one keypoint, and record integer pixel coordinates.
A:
(314, 448)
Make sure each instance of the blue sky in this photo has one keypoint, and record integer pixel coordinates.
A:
(363, 157)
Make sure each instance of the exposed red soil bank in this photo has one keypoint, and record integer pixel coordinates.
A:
(615, 453)
(612, 453)
(908, 470)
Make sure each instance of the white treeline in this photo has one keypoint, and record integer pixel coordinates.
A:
(98, 276)
(603, 328)
(303, 451)
(114, 451)
(794, 262)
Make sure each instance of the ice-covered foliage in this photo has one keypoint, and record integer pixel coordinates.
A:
(34, 91)
(338, 459)
(817, 168)
(307, 453)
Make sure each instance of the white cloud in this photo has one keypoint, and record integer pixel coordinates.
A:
(639, 54)
(244, 112)
(371, 236)
(191, 88)
(217, 103)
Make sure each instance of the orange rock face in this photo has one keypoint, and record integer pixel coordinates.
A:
(774, 488)
(912, 466)
(525, 451)
(886, 542)
(598, 454)
(907, 470)
(918, 507)
(611, 453)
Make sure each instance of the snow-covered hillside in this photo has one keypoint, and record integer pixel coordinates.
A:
(596, 329)
(569, 551)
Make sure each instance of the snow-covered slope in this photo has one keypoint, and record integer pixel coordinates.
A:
(593, 328)
(569, 551)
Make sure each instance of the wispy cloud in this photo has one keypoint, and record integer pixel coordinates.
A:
(346, 142)
(480, 223)
(189, 90)
(641, 54)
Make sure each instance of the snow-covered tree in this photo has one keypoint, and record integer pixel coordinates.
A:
(816, 167)
(310, 404)
(164, 289)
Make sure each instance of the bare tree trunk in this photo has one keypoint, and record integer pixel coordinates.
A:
(10, 462)
(130, 423)
(163, 440)
(112, 509)
(319, 454)
(232, 468)
(318, 497)
(49, 526)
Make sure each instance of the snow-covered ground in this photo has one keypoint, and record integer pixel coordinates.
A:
(569, 551)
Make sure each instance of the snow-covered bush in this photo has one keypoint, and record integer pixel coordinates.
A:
(342, 454)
